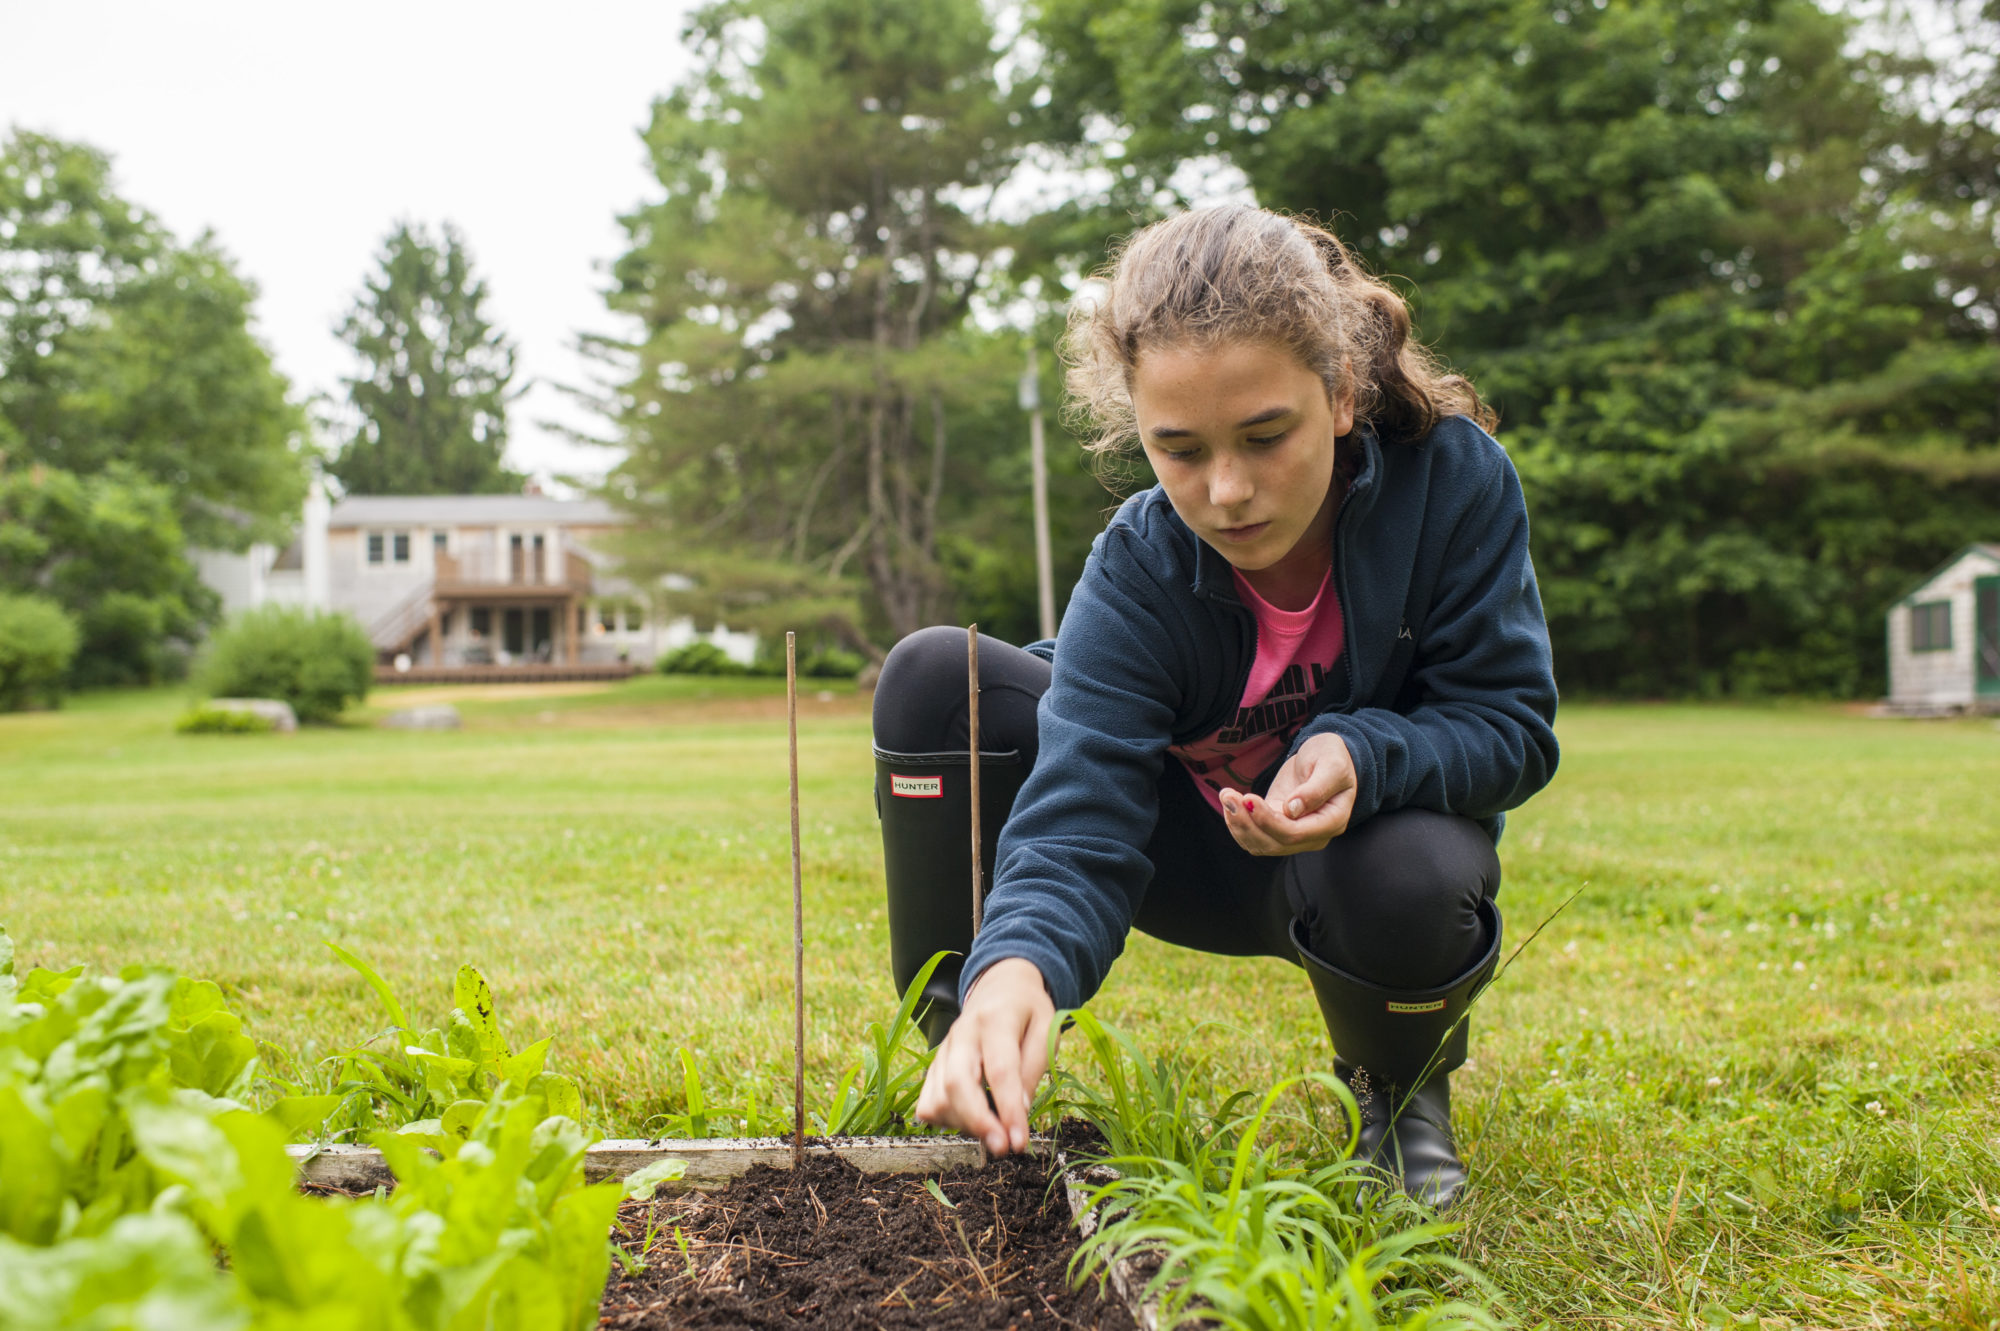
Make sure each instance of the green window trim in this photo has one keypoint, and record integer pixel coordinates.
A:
(1930, 626)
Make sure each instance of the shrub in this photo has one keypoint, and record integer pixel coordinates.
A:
(38, 640)
(206, 720)
(700, 658)
(832, 663)
(319, 663)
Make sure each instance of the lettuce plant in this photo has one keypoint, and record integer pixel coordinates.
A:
(428, 1081)
(129, 1168)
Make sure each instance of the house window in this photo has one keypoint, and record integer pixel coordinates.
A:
(607, 617)
(635, 617)
(482, 622)
(438, 542)
(444, 623)
(1930, 627)
(400, 547)
(376, 544)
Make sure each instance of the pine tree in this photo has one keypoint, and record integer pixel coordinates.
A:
(806, 368)
(431, 398)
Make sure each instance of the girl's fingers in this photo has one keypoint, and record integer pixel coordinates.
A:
(1002, 1053)
(1242, 813)
(1260, 828)
(1035, 1049)
(967, 1088)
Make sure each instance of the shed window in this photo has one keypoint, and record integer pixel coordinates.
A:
(1930, 627)
(400, 546)
(377, 544)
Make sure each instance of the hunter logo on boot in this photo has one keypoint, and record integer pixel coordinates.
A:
(1437, 1006)
(919, 788)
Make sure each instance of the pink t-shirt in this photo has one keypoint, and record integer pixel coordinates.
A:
(1295, 649)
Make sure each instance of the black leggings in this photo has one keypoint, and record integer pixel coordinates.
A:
(1394, 901)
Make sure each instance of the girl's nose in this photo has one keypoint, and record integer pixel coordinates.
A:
(1228, 485)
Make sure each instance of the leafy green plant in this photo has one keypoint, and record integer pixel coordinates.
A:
(425, 1082)
(206, 720)
(38, 640)
(128, 1172)
(319, 663)
(1240, 1238)
(877, 1095)
(1146, 1108)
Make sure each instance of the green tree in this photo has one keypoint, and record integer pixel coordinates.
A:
(120, 347)
(804, 404)
(109, 550)
(1690, 251)
(430, 401)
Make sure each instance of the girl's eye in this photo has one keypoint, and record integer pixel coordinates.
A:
(1265, 441)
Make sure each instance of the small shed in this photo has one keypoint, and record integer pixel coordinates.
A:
(1944, 638)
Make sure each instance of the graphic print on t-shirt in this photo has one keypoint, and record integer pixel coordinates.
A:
(1295, 650)
(1236, 755)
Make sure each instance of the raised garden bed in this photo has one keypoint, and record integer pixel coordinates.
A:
(891, 1232)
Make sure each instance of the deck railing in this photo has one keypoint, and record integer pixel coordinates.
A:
(502, 568)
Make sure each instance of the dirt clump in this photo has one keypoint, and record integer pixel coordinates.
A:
(830, 1246)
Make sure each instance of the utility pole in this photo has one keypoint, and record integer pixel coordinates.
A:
(1031, 402)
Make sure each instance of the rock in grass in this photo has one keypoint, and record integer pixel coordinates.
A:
(437, 716)
(275, 714)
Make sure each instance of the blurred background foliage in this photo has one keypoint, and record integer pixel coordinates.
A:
(1727, 268)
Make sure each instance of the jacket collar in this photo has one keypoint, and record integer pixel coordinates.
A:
(1212, 580)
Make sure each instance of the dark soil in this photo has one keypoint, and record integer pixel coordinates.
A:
(829, 1246)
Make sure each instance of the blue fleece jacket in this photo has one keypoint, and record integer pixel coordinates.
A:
(1446, 695)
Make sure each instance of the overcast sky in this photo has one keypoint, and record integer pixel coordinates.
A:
(300, 134)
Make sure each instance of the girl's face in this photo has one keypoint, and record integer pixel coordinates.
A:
(1241, 437)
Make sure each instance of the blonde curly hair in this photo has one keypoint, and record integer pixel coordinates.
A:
(1238, 273)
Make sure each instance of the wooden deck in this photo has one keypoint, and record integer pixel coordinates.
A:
(507, 674)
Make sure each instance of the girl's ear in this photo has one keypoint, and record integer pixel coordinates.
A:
(1343, 414)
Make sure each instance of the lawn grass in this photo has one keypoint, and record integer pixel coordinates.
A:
(1751, 1076)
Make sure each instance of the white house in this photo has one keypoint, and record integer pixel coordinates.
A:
(1944, 638)
(466, 582)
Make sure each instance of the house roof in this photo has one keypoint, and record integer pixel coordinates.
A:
(1990, 549)
(469, 511)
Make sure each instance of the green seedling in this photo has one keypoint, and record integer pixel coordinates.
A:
(878, 1095)
(702, 1118)
(1146, 1108)
(430, 1082)
(1243, 1240)
(640, 1185)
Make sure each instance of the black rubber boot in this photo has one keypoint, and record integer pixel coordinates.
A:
(925, 803)
(1396, 1050)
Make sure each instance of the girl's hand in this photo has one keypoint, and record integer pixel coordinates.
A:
(1310, 802)
(998, 1045)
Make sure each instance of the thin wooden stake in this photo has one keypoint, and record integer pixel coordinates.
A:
(972, 782)
(798, 915)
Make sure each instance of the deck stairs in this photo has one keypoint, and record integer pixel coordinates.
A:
(399, 626)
